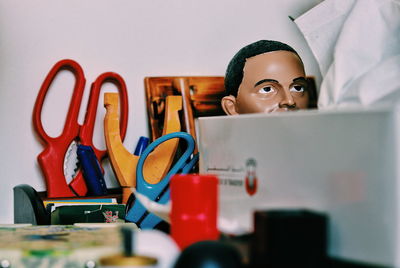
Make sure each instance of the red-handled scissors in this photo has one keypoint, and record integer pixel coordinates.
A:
(51, 159)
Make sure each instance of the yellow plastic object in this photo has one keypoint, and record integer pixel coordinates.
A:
(122, 161)
(159, 161)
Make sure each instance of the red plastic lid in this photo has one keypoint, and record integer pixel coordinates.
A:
(194, 208)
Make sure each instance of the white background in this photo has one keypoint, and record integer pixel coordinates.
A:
(133, 38)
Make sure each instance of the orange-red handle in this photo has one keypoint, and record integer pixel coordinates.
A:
(71, 126)
(86, 133)
(51, 160)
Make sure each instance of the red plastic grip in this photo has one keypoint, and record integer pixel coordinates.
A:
(52, 158)
(194, 208)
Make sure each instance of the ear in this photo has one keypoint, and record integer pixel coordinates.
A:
(228, 104)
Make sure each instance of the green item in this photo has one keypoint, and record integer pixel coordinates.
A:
(57, 245)
(68, 215)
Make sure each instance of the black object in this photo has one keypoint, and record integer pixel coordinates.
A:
(340, 263)
(127, 241)
(289, 238)
(68, 215)
(209, 254)
(28, 206)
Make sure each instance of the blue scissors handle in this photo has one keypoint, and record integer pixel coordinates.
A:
(159, 192)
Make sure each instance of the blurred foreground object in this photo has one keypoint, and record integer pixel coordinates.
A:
(194, 210)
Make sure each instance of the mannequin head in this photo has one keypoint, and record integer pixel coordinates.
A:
(264, 77)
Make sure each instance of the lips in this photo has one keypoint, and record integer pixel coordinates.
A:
(283, 109)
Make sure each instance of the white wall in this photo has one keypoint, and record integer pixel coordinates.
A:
(135, 39)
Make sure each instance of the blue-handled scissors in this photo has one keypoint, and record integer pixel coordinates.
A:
(160, 191)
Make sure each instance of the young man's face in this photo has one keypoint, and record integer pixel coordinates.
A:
(272, 82)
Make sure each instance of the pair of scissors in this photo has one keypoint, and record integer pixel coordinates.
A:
(159, 192)
(51, 159)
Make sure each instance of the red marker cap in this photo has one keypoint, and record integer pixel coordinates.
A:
(194, 208)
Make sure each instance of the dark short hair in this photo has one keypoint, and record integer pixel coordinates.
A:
(234, 72)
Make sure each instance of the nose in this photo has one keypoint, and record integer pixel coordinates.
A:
(287, 100)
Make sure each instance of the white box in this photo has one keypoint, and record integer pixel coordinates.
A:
(344, 163)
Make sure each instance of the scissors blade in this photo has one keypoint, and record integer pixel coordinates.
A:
(70, 162)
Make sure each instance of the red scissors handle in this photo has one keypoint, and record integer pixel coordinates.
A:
(86, 133)
(51, 159)
(71, 126)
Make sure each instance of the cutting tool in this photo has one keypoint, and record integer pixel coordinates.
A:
(51, 159)
(159, 192)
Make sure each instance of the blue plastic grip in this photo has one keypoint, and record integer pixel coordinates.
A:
(141, 145)
(91, 171)
(154, 191)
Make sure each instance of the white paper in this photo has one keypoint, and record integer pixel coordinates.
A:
(357, 46)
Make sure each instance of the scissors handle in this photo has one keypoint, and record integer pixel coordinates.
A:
(159, 192)
(71, 126)
(52, 157)
(153, 190)
(86, 133)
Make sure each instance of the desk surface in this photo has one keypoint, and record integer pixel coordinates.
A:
(56, 245)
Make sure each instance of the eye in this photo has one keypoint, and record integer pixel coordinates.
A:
(266, 89)
(297, 89)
